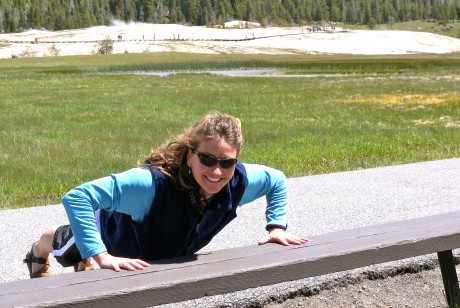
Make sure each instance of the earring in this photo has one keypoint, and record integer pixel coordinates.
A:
(189, 170)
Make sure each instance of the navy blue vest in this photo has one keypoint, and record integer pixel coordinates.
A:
(172, 227)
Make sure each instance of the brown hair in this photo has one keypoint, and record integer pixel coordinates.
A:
(170, 158)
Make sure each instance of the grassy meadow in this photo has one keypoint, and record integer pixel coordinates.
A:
(67, 120)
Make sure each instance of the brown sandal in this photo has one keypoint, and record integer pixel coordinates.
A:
(31, 258)
(88, 266)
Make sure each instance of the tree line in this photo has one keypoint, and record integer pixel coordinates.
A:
(19, 15)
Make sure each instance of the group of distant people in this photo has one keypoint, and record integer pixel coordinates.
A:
(317, 29)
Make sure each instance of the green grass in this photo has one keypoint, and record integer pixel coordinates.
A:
(448, 29)
(67, 120)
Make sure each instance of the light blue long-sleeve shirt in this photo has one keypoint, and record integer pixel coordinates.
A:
(132, 192)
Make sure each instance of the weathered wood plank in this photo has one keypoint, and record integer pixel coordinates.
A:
(230, 270)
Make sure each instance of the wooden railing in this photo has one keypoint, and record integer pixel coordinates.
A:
(224, 271)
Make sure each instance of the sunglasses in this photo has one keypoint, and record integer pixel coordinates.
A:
(210, 161)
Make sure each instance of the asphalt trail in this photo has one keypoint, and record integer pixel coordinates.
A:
(317, 204)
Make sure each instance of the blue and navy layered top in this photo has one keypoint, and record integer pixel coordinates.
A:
(142, 214)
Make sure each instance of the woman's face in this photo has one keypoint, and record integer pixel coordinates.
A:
(211, 179)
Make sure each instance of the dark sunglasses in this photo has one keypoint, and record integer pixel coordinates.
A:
(210, 161)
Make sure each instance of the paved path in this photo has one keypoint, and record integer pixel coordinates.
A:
(318, 204)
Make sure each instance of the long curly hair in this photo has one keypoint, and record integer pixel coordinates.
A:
(171, 157)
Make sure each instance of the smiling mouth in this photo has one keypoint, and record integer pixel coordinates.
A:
(213, 180)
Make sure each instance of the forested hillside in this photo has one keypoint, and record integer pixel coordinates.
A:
(19, 15)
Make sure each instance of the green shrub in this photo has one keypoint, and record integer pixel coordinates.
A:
(105, 46)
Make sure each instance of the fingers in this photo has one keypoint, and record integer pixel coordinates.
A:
(106, 260)
(283, 238)
(264, 240)
(116, 268)
(143, 263)
(133, 264)
(272, 239)
(295, 240)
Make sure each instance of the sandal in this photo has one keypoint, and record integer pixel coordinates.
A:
(31, 258)
(88, 266)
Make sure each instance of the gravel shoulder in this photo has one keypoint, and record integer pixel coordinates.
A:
(420, 286)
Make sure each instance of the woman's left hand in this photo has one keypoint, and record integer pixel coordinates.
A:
(278, 235)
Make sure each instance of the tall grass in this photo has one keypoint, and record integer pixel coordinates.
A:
(67, 120)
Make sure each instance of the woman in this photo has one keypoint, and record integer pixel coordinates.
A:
(173, 204)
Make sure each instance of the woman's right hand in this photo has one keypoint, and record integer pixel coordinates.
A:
(106, 260)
